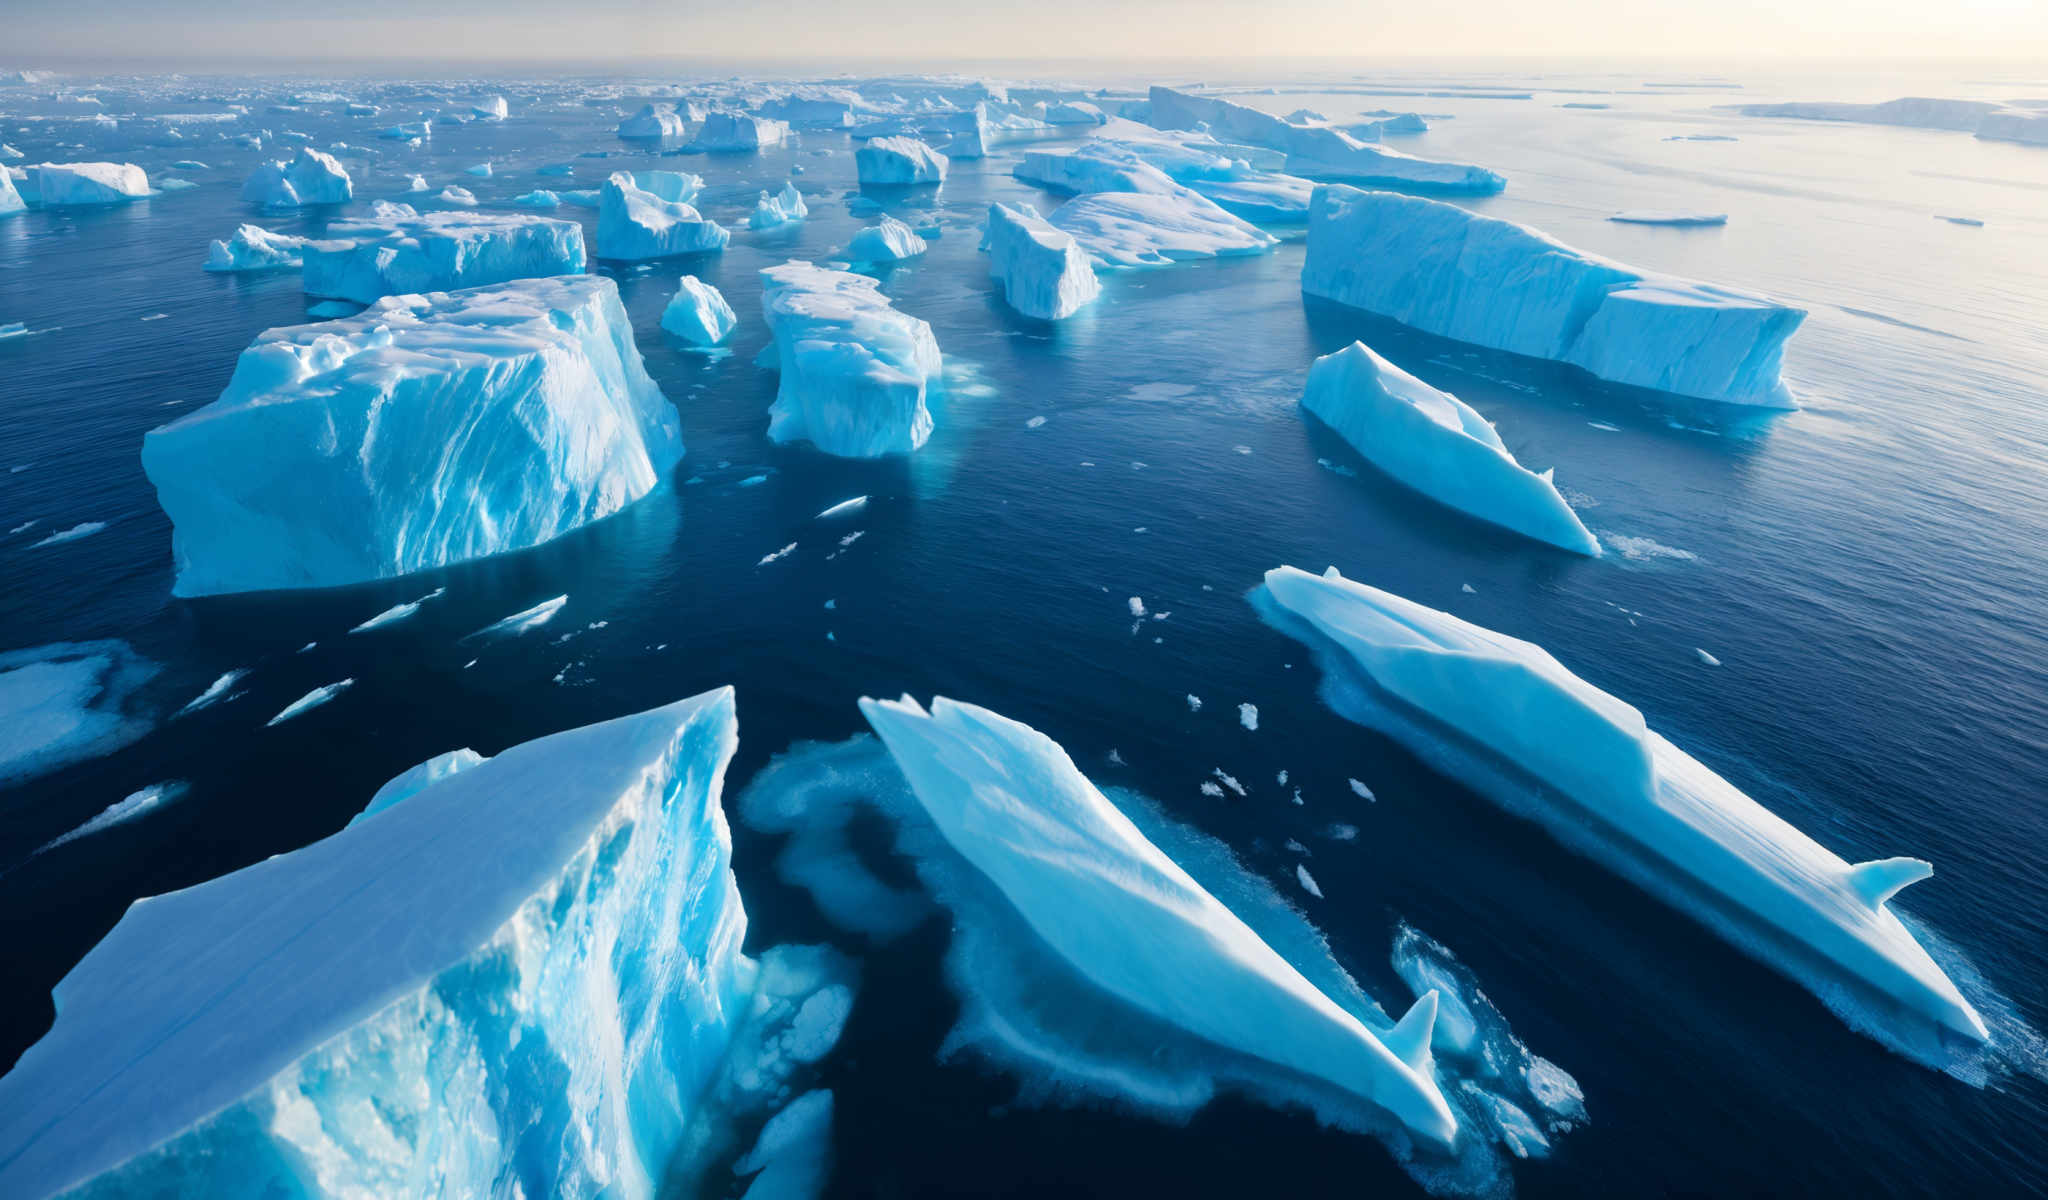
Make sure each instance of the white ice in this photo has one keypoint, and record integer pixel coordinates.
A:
(647, 214)
(66, 702)
(898, 161)
(310, 701)
(779, 208)
(407, 252)
(653, 121)
(254, 248)
(698, 314)
(888, 241)
(855, 371)
(1316, 151)
(1138, 229)
(728, 132)
(1668, 216)
(310, 177)
(84, 185)
(1043, 271)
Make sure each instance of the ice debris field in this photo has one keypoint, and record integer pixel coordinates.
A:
(415, 488)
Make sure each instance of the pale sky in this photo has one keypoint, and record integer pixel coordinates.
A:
(902, 31)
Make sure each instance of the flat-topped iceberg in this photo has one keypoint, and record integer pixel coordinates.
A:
(517, 976)
(779, 208)
(254, 248)
(636, 220)
(1317, 151)
(698, 313)
(405, 251)
(1146, 229)
(427, 430)
(734, 132)
(855, 371)
(1133, 922)
(1451, 272)
(989, 124)
(1916, 112)
(890, 240)
(1436, 444)
(653, 121)
(898, 161)
(1043, 271)
(2026, 128)
(309, 177)
(1668, 216)
(1611, 788)
(84, 185)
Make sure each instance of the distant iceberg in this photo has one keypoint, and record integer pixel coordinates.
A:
(898, 160)
(653, 121)
(1317, 151)
(698, 313)
(427, 430)
(1126, 157)
(254, 248)
(888, 241)
(407, 252)
(1142, 229)
(1451, 272)
(308, 178)
(2026, 128)
(647, 214)
(855, 371)
(988, 124)
(1043, 271)
(729, 132)
(1668, 216)
(84, 185)
(1435, 443)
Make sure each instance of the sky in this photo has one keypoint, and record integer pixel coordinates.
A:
(909, 31)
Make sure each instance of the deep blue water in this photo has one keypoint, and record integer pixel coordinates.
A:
(1869, 570)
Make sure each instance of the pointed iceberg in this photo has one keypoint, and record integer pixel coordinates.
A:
(855, 371)
(404, 252)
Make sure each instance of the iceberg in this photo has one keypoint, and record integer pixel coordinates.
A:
(67, 702)
(310, 701)
(1663, 216)
(1074, 112)
(1610, 787)
(698, 314)
(1317, 151)
(1133, 922)
(1915, 112)
(1451, 272)
(417, 131)
(1436, 444)
(898, 161)
(491, 108)
(653, 121)
(1043, 272)
(779, 208)
(309, 178)
(520, 977)
(461, 197)
(10, 196)
(854, 370)
(2026, 128)
(887, 242)
(642, 215)
(1145, 229)
(405, 252)
(1129, 158)
(813, 112)
(84, 185)
(989, 124)
(538, 198)
(732, 132)
(426, 430)
(254, 248)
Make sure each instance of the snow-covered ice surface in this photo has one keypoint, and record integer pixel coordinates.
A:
(84, 184)
(1315, 151)
(853, 372)
(1144, 229)
(1043, 271)
(1668, 216)
(698, 313)
(888, 240)
(361, 260)
(647, 214)
(899, 161)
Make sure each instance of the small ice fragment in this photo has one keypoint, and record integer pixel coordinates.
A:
(524, 620)
(1468, 589)
(1137, 606)
(83, 530)
(311, 700)
(133, 806)
(1230, 781)
(1209, 788)
(1194, 702)
(214, 692)
(1248, 714)
(753, 481)
(851, 538)
(1361, 791)
(1706, 658)
(1034, 422)
(396, 613)
(1308, 881)
(843, 508)
(1282, 780)
(785, 552)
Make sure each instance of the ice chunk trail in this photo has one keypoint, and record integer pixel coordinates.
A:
(1435, 443)
(1451, 272)
(1615, 790)
(647, 214)
(406, 252)
(855, 371)
(427, 430)
(523, 978)
(1043, 271)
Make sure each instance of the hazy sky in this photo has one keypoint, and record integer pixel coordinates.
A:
(904, 30)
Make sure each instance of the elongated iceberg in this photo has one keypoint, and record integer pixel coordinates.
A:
(517, 976)
(1435, 443)
(698, 313)
(84, 185)
(648, 215)
(1128, 158)
(1147, 229)
(310, 177)
(406, 252)
(427, 430)
(855, 371)
(1612, 788)
(887, 241)
(1451, 272)
(2015, 125)
(899, 161)
(1317, 151)
(1042, 271)
(1132, 921)
(254, 248)
(736, 132)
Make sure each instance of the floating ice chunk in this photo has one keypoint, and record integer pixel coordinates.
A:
(491, 108)
(310, 177)
(636, 220)
(1610, 784)
(890, 241)
(254, 248)
(406, 252)
(1248, 716)
(84, 529)
(396, 613)
(698, 314)
(794, 1152)
(780, 208)
(1317, 152)
(777, 556)
(1360, 790)
(10, 196)
(429, 429)
(653, 121)
(989, 124)
(482, 170)
(1454, 273)
(1307, 881)
(1662, 216)
(215, 692)
(1194, 703)
(833, 111)
(1706, 658)
(84, 185)
(122, 811)
(526, 620)
(845, 508)
(1915, 112)
(539, 198)
(311, 700)
(1137, 606)
(898, 161)
(854, 370)
(732, 132)
(461, 197)
(14, 329)
(1437, 444)
(1135, 229)
(416, 131)
(66, 702)
(1043, 271)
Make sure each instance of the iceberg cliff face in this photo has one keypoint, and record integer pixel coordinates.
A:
(2027, 128)
(1616, 790)
(10, 196)
(424, 431)
(309, 178)
(652, 121)
(888, 241)
(1435, 443)
(84, 185)
(408, 252)
(648, 215)
(1316, 151)
(900, 161)
(1043, 271)
(1493, 283)
(854, 370)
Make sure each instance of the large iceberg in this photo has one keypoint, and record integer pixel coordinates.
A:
(990, 124)
(1317, 151)
(647, 214)
(310, 177)
(1496, 710)
(392, 255)
(898, 160)
(726, 132)
(1435, 443)
(1451, 272)
(84, 185)
(698, 313)
(887, 241)
(1042, 271)
(518, 976)
(653, 121)
(1132, 922)
(855, 371)
(829, 111)
(254, 248)
(1147, 229)
(1916, 112)
(427, 430)
(2015, 125)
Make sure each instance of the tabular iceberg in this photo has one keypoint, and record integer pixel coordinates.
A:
(889, 241)
(1493, 283)
(1614, 789)
(636, 220)
(408, 252)
(1435, 443)
(254, 248)
(1043, 271)
(779, 208)
(653, 121)
(1916, 112)
(854, 370)
(84, 185)
(427, 430)
(698, 313)
(523, 978)
(1144, 229)
(1132, 921)
(724, 132)
(898, 160)
(308, 178)
(2027, 128)
(1316, 151)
